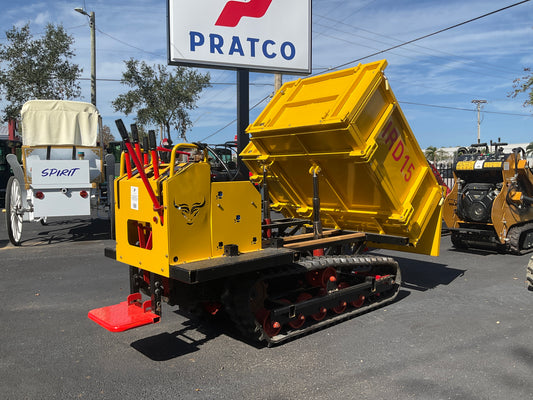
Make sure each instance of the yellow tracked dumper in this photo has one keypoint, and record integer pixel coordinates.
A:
(335, 157)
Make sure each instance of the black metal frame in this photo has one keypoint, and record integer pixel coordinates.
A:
(224, 267)
(285, 313)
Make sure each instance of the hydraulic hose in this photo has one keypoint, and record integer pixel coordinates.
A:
(124, 134)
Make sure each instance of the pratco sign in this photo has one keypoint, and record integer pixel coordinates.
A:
(265, 35)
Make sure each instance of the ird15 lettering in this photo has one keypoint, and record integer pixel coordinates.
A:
(49, 172)
(399, 153)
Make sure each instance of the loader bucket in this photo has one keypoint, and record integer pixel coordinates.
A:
(348, 126)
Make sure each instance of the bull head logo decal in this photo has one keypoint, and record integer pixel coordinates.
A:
(189, 212)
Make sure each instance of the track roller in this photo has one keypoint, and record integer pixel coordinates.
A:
(315, 292)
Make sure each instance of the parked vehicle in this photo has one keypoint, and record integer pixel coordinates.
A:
(62, 172)
(223, 160)
(9, 144)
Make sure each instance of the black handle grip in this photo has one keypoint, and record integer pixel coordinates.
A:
(201, 146)
(151, 139)
(134, 133)
(122, 130)
(145, 144)
(123, 147)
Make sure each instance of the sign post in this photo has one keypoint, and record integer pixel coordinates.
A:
(257, 35)
(243, 117)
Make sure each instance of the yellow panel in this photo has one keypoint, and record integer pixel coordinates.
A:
(322, 99)
(492, 164)
(373, 175)
(236, 216)
(465, 165)
(187, 199)
(199, 218)
(133, 206)
(429, 241)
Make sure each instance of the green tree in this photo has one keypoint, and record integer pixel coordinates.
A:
(37, 68)
(107, 136)
(431, 153)
(442, 155)
(524, 85)
(160, 97)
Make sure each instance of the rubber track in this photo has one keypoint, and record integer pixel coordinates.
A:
(457, 241)
(236, 298)
(529, 274)
(514, 238)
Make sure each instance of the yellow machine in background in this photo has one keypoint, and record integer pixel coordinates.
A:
(491, 200)
(335, 155)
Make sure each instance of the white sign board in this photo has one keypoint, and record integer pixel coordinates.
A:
(261, 35)
(60, 173)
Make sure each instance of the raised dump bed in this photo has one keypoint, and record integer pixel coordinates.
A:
(348, 127)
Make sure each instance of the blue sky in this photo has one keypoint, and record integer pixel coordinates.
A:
(434, 79)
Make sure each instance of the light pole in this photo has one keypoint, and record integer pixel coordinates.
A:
(478, 103)
(93, 52)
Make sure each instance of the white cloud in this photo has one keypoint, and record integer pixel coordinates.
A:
(42, 18)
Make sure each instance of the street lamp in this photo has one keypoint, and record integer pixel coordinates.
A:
(478, 103)
(93, 52)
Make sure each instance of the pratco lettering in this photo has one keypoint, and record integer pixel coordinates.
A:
(58, 172)
(238, 46)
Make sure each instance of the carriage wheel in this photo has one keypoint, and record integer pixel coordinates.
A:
(13, 207)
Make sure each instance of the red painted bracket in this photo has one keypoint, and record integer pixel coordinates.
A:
(126, 315)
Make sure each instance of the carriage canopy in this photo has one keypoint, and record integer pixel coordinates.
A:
(59, 122)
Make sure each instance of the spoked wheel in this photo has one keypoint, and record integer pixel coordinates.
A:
(342, 305)
(13, 211)
(298, 322)
(359, 302)
(321, 314)
(271, 328)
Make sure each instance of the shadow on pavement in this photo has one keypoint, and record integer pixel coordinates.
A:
(61, 231)
(82, 230)
(166, 346)
(422, 275)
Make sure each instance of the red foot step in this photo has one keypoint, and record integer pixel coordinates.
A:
(125, 315)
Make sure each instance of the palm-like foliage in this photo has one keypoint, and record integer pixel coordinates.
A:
(529, 148)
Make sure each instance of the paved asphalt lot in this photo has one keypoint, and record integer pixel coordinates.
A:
(462, 328)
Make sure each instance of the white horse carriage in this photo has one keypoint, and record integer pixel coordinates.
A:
(63, 170)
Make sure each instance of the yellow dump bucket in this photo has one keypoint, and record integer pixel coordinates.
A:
(347, 126)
